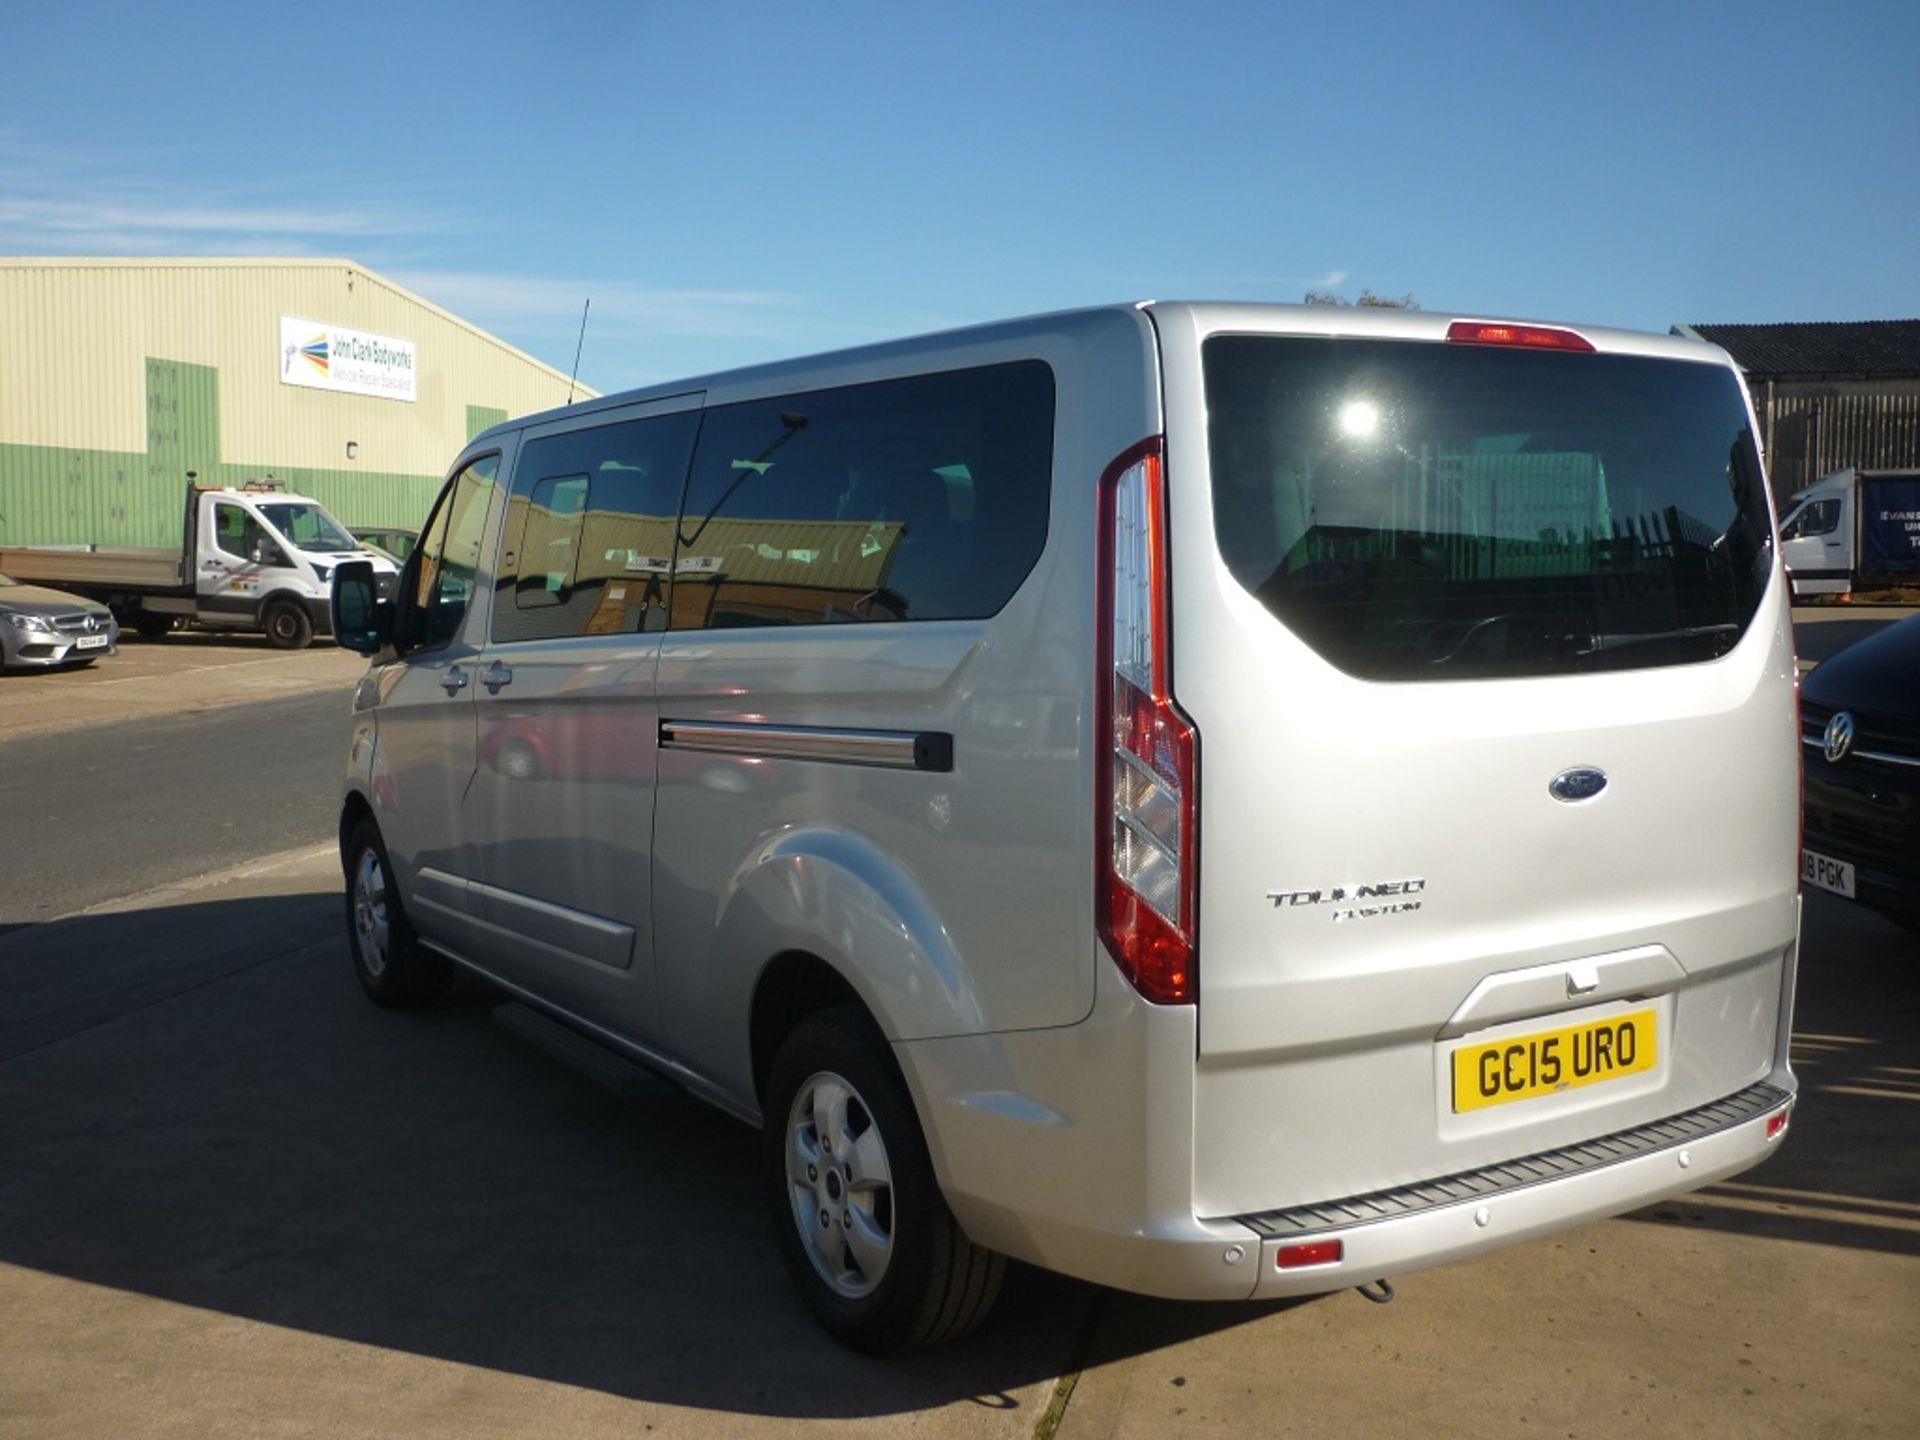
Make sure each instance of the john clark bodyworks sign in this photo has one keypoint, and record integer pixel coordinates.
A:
(326, 357)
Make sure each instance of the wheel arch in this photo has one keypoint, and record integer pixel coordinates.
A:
(792, 986)
(272, 598)
(353, 810)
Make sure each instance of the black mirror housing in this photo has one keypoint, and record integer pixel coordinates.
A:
(362, 621)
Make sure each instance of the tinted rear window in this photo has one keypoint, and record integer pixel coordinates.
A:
(1431, 511)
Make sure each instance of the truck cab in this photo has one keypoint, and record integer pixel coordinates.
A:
(264, 559)
(1816, 537)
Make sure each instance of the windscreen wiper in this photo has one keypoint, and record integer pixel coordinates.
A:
(1592, 644)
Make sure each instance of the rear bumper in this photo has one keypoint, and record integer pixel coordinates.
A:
(1073, 1149)
(1508, 1204)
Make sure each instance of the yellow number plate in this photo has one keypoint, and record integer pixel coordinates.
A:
(1522, 1066)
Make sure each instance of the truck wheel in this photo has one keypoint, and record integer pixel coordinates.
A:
(149, 626)
(861, 1222)
(287, 625)
(394, 969)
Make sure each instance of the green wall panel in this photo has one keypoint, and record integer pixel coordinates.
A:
(483, 417)
(55, 496)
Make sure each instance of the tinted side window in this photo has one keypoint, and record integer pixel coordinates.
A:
(589, 530)
(450, 555)
(917, 499)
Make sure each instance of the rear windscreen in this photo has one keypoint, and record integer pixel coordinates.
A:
(1429, 511)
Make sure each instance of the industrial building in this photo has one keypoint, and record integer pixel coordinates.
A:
(119, 378)
(1829, 394)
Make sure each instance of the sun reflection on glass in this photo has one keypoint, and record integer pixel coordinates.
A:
(1359, 419)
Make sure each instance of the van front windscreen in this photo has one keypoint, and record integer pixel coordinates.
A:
(1430, 511)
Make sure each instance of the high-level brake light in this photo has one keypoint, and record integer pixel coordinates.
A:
(1147, 865)
(1533, 337)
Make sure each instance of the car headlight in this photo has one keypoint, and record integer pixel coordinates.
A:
(27, 622)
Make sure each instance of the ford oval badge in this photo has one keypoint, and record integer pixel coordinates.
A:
(1581, 783)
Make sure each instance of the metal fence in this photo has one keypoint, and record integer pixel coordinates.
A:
(1811, 435)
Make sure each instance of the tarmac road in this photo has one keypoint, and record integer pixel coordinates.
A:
(92, 814)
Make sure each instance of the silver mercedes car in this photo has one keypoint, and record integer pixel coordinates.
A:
(42, 628)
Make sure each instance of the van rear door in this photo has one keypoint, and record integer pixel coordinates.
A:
(1494, 695)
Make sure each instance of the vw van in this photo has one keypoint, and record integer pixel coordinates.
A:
(1220, 800)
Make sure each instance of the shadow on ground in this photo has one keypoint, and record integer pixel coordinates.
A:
(1849, 1172)
(237, 1129)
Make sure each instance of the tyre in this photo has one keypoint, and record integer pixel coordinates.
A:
(149, 626)
(393, 968)
(860, 1220)
(287, 624)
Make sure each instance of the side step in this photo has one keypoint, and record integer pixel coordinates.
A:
(574, 1050)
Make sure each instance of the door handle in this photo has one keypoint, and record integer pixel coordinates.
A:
(454, 681)
(496, 676)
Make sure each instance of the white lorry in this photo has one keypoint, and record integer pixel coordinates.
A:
(250, 558)
(1852, 527)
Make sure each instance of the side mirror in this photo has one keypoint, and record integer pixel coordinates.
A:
(362, 621)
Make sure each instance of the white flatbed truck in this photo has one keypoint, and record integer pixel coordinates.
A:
(253, 557)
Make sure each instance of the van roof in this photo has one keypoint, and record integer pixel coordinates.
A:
(1204, 316)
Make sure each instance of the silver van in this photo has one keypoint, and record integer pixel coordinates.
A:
(1219, 800)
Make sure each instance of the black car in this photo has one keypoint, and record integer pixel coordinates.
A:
(1860, 735)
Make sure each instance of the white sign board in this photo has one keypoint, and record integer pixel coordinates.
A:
(326, 357)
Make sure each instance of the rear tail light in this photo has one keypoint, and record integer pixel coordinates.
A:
(1777, 1125)
(1533, 337)
(1146, 870)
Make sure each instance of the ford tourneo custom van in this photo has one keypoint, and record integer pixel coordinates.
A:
(1219, 800)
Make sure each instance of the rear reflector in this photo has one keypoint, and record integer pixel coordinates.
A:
(1312, 1252)
(1777, 1125)
(1534, 337)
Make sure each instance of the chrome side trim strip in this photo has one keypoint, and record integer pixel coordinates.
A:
(1547, 1165)
(886, 749)
(1880, 756)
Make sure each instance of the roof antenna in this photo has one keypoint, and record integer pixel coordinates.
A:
(577, 348)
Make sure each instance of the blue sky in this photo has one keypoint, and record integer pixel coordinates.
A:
(737, 182)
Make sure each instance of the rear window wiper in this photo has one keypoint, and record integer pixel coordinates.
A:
(1594, 644)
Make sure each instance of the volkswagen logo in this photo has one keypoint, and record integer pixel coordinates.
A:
(1583, 782)
(1839, 737)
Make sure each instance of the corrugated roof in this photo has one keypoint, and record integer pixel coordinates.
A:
(1842, 347)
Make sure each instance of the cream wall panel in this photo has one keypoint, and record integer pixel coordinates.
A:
(75, 334)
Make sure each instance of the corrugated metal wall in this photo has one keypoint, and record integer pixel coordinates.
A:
(119, 376)
(1816, 430)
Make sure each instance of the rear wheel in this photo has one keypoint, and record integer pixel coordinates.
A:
(866, 1233)
(150, 626)
(287, 624)
(393, 968)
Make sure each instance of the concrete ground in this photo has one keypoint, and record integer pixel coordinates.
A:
(185, 672)
(237, 1200)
